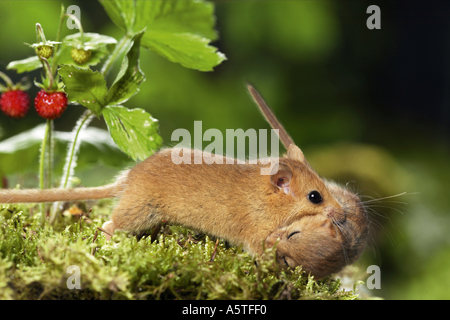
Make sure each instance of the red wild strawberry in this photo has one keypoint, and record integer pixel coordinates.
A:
(15, 103)
(50, 105)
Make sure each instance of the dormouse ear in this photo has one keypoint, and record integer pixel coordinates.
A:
(295, 153)
(281, 176)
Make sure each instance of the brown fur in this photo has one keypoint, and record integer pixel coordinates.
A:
(235, 202)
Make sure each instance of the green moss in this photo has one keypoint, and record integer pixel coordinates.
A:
(34, 262)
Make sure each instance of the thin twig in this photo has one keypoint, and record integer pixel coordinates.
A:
(95, 238)
(104, 231)
(214, 252)
(39, 254)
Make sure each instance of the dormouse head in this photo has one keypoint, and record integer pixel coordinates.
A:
(326, 225)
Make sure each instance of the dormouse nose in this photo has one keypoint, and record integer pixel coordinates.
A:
(335, 214)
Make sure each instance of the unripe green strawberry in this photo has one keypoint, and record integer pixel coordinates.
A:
(44, 51)
(80, 56)
(15, 103)
(50, 105)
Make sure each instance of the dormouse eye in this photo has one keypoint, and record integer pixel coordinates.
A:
(315, 197)
(290, 235)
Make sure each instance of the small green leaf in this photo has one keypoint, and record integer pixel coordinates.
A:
(190, 50)
(26, 65)
(85, 86)
(134, 131)
(130, 75)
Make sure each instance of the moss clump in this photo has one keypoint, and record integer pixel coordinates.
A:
(178, 265)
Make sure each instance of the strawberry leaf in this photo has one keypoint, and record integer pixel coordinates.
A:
(179, 30)
(189, 50)
(84, 86)
(134, 131)
(130, 75)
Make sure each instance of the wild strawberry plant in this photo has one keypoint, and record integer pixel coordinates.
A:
(75, 68)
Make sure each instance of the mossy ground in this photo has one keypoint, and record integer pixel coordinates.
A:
(177, 265)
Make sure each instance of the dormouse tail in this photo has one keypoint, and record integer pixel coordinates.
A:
(56, 194)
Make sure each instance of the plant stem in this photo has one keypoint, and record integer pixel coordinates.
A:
(87, 115)
(78, 23)
(46, 67)
(48, 183)
(42, 162)
(42, 165)
(7, 80)
(58, 36)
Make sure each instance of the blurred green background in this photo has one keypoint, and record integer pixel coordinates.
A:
(368, 107)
